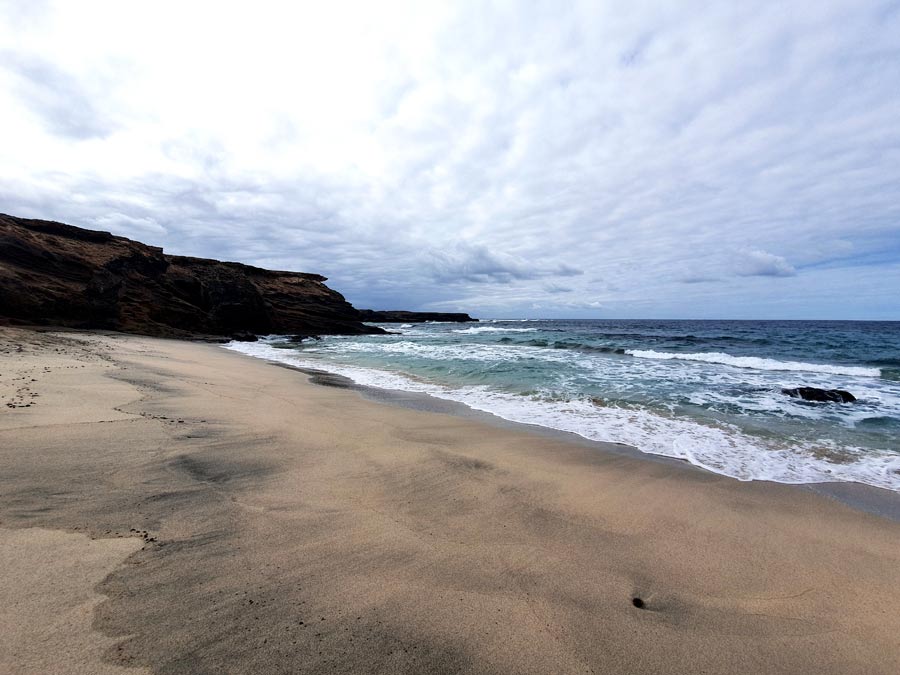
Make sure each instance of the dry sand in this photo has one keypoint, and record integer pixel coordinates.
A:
(245, 520)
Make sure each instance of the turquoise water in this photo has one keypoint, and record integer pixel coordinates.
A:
(705, 391)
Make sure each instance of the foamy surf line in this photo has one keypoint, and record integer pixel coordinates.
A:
(492, 329)
(755, 362)
(723, 450)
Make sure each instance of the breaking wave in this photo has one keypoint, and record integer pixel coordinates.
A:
(716, 446)
(756, 363)
(491, 329)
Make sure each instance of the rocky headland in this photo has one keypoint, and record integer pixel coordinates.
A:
(61, 275)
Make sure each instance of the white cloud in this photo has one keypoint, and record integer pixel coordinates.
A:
(465, 156)
(756, 263)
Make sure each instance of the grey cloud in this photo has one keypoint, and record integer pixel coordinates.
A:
(634, 54)
(669, 148)
(756, 263)
(67, 106)
(557, 288)
(145, 228)
(478, 264)
(699, 279)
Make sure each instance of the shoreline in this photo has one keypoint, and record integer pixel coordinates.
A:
(734, 421)
(279, 525)
(877, 501)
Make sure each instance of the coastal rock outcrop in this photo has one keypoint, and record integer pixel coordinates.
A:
(820, 395)
(397, 316)
(244, 336)
(57, 274)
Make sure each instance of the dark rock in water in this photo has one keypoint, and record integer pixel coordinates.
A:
(397, 316)
(57, 274)
(301, 338)
(820, 395)
(244, 337)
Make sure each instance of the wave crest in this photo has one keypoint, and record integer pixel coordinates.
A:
(491, 329)
(756, 363)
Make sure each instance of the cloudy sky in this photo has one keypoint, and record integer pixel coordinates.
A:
(597, 159)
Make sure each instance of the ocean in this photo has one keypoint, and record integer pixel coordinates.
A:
(708, 392)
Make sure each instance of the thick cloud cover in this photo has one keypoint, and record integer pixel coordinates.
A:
(596, 159)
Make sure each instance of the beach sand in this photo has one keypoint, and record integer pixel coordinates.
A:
(214, 513)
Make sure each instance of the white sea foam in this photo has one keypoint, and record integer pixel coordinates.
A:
(491, 329)
(755, 362)
(484, 353)
(722, 449)
(716, 387)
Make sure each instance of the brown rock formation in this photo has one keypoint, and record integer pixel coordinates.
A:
(51, 273)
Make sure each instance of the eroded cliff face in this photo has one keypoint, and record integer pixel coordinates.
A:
(51, 273)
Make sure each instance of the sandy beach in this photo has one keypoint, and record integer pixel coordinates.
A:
(170, 506)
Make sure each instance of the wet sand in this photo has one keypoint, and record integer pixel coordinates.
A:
(253, 522)
(47, 601)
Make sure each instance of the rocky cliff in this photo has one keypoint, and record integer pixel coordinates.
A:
(51, 273)
(398, 316)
